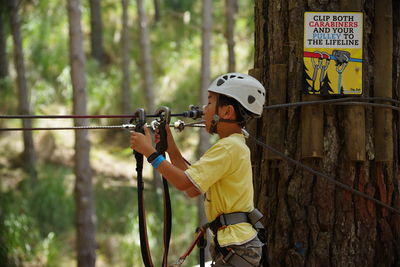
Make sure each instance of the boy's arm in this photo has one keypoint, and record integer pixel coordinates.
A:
(172, 150)
(192, 192)
(177, 159)
(174, 175)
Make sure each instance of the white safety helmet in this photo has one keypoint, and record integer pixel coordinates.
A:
(248, 91)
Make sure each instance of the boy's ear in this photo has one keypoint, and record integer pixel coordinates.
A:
(229, 112)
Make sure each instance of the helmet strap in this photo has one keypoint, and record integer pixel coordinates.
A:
(216, 119)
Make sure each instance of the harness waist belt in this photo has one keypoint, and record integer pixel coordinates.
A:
(223, 220)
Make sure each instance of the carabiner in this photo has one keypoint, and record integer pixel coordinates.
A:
(140, 119)
(167, 114)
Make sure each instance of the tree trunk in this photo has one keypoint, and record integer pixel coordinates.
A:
(29, 157)
(126, 87)
(96, 35)
(3, 43)
(311, 222)
(85, 216)
(204, 138)
(157, 13)
(205, 67)
(146, 68)
(230, 12)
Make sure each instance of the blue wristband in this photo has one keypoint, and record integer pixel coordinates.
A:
(157, 161)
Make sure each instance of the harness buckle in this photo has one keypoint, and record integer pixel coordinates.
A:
(227, 257)
(222, 220)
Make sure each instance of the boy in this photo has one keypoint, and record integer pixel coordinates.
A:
(223, 174)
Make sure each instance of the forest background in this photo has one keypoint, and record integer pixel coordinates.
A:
(37, 215)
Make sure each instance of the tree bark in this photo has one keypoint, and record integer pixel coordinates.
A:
(29, 157)
(310, 222)
(96, 35)
(3, 43)
(85, 216)
(126, 87)
(230, 12)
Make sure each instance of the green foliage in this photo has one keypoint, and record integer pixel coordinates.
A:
(117, 215)
(180, 5)
(49, 203)
(37, 218)
(16, 229)
(115, 208)
(8, 102)
(36, 221)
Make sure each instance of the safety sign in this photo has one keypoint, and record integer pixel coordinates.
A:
(333, 53)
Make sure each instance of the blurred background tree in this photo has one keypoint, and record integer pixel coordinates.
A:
(37, 219)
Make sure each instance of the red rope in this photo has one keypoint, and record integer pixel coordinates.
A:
(315, 55)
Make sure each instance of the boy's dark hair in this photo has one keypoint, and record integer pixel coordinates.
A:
(242, 115)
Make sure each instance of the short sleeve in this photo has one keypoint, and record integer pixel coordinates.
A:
(213, 165)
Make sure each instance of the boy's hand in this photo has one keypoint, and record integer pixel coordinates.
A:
(170, 139)
(142, 142)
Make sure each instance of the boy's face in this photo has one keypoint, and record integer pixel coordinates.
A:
(209, 109)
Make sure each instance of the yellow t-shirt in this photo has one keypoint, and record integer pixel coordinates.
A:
(224, 174)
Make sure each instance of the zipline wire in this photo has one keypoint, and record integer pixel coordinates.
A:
(337, 101)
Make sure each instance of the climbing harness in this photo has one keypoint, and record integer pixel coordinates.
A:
(224, 220)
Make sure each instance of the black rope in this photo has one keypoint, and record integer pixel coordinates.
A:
(354, 100)
(329, 178)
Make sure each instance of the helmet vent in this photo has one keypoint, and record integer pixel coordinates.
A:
(225, 77)
(240, 77)
(232, 76)
(251, 99)
(220, 82)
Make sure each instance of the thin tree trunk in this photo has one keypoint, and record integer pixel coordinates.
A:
(230, 12)
(23, 91)
(157, 12)
(204, 139)
(147, 70)
(310, 222)
(3, 44)
(205, 67)
(126, 87)
(96, 35)
(85, 216)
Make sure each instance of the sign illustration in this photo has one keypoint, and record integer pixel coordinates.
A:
(333, 53)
